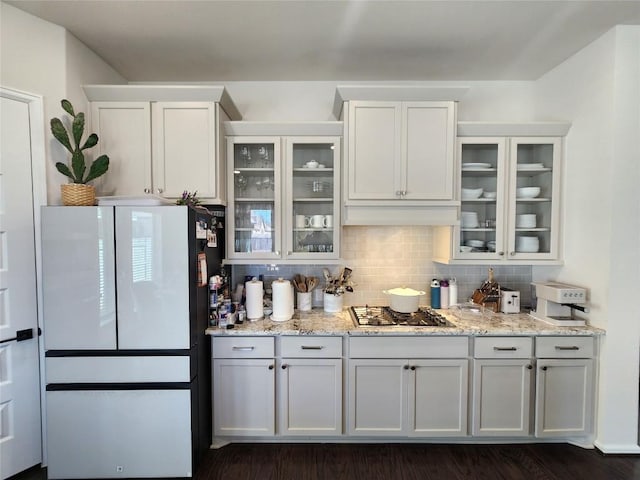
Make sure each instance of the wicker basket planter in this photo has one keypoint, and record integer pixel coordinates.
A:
(77, 194)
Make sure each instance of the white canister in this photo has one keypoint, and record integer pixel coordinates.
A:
(453, 292)
(333, 303)
(254, 304)
(282, 294)
(303, 301)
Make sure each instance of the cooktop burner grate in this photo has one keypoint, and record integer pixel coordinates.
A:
(384, 316)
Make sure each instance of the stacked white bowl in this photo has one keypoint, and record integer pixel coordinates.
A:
(526, 244)
(471, 193)
(469, 219)
(526, 220)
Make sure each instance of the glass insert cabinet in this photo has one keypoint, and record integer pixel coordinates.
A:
(509, 194)
(283, 198)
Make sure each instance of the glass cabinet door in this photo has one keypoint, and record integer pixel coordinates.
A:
(254, 197)
(480, 234)
(312, 210)
(533, 198)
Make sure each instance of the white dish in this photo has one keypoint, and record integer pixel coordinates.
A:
(476, 165)
(530, 166)
(465, 249)
(489, 195)
(526, 220)
(527, 244)
(320, 165)
(475, 243)
(469, 219)
(527, 192)
(471, 193)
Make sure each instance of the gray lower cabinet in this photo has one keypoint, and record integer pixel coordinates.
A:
(310, 386)
(243, 386)
(502, 386)
(564, 386)
(396, 390)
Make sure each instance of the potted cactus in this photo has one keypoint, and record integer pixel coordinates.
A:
(78, 192)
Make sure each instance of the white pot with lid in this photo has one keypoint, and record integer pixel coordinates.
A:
(404, 300)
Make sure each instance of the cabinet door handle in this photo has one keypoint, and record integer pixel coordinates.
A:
(160, 190)
(147, 190)
(284, 366)
(505, 349)
(544, 368)
(311, 347)
(512, 254)
(572, 347)
(413, 367)
(270, 367)
(406, 367)
(501, 254)
(529, 367)
(243, 349)
(398, 193)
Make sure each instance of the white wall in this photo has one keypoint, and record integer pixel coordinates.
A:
(599, 90)
(41, 58)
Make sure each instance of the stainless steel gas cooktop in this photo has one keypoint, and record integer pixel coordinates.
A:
(383, 316)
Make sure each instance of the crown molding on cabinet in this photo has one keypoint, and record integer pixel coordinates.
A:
(395, 93)
(163, 93)
(510, 129)
(307, 129)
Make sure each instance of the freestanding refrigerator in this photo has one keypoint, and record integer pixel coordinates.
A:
(127, 363)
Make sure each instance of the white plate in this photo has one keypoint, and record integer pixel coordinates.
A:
(476, 165)
(530, 166)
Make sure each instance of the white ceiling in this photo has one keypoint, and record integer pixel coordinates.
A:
(253, 40)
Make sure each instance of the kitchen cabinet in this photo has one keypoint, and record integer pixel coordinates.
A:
(399, 154)
(564, 386)
(310, 386)
(502, 386)
(243, 386)
(161, 140)
(400, 150)
(284, 194)
(395, 389)
(509, 189)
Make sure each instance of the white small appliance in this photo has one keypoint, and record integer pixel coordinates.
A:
(509, 301)
(555, 303)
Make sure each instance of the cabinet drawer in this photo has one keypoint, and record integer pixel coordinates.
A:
(311, 346)
(409, 347)
(242, 347)
(565, 347)
(503, 347)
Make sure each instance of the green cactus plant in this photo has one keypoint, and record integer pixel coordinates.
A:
(78, 164)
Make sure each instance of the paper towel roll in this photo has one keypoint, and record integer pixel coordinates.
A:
(282, 300)
(254, 305)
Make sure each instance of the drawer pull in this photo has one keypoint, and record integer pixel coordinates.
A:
(505, 349)
(312, 347)
(243, 349)
(529, 367)
(572, 347)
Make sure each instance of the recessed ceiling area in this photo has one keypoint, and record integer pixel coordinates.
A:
(191, 41)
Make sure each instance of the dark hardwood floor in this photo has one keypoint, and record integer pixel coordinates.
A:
(408, 462)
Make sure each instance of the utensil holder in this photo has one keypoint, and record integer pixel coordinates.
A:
(333, 303)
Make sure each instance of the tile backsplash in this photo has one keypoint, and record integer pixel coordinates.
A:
(387, 257)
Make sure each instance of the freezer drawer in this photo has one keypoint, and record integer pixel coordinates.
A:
(119, 433)
(119, 369)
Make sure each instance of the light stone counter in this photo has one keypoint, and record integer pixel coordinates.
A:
(318, 322)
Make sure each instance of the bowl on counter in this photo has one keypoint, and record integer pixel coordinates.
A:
(527, 192)
(471, 193)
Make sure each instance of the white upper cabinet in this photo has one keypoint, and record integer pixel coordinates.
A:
(161, 140)
(283, 192)
(399, 154)
(509, 191)
(400, 150)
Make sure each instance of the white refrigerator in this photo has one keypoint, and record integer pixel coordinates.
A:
(127, 363)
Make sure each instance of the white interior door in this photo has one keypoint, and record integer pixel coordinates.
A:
(20, 426)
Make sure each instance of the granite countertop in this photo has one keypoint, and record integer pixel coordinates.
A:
(318, 322)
